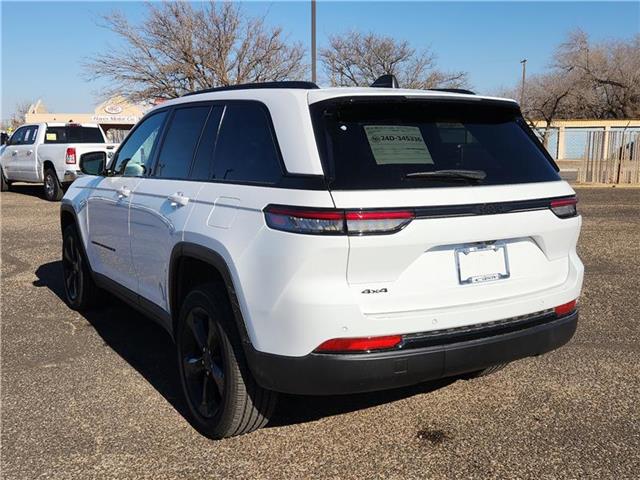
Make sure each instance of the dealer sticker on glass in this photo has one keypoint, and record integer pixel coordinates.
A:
(393, 144)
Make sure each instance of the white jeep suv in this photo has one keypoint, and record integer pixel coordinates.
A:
(328, 241)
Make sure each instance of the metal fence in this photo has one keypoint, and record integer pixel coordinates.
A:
(595, 151)
(611, 157)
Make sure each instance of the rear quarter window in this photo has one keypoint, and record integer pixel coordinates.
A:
(374, 145)
(245, 149)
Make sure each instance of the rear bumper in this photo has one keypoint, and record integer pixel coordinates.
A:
(70, 175)
(329, 374)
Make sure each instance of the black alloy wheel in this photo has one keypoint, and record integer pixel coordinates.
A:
(203, 363)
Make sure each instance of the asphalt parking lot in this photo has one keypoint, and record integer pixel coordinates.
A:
(98, 396)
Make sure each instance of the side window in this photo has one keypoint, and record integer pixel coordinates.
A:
(135, 155)
(18, 136)
(203, 163)
(55, 135)
(180, 141)
(246, 149)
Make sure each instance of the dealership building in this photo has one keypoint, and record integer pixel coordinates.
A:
(116, 116)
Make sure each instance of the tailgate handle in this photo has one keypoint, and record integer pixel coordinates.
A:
(178, 199)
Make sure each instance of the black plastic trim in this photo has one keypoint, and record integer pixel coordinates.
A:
(136, 301)
(495, 208)
(330, 374)
(292, 84)
(206, 255)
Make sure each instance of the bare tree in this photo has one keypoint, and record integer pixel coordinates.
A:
(607, 75)
(585, 80)
(356, 59)
(19, 115)
(180, 48)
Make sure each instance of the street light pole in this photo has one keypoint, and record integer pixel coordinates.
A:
(313, 41)
(524, 78)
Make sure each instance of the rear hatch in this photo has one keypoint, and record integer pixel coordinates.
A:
(461, 193)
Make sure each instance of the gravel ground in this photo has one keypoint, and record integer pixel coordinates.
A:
(97, 396)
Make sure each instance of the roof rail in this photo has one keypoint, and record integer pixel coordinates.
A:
(300, 85)
(454, 90)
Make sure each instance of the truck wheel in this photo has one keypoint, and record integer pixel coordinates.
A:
(221, 393)
(4, 183)
(52, 188)
(80, 290)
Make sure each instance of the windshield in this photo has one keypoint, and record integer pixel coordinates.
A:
(414, 144)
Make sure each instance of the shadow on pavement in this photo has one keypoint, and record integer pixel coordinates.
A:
(32, 190)
(150, 350)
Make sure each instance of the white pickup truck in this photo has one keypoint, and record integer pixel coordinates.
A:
(48, 153)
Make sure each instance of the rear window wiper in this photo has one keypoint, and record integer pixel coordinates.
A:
(469, 175)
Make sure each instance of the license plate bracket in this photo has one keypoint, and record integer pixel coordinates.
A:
(479, 263)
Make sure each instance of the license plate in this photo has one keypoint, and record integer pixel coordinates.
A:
(482, 263)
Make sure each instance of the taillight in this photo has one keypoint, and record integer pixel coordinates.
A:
(363, 344)
(385, 221)
(300, 220)
(70, 156)
(320, 221)
(565, 308)
(564, 207)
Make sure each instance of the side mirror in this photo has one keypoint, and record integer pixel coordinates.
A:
(93, 163)
(4, 138)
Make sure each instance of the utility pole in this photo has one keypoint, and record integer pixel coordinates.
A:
(314, 77)
(524, 78)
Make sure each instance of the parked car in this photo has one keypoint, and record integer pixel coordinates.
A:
(328, 241)
(47, 153)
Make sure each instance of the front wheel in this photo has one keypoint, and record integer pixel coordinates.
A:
(223, 397)
(79, 288)
(52, 188)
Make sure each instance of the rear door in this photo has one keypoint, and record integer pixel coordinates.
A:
(465, 240)
(162, 202)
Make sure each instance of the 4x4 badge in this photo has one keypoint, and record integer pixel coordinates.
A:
(369, 290)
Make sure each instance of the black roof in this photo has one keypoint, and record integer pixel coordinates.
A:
(300, 85)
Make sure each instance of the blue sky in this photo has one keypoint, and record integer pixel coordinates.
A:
(44, 43)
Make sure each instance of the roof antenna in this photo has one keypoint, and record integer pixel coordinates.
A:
(386, 81)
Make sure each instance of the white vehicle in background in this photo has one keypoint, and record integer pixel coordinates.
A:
(48, 153)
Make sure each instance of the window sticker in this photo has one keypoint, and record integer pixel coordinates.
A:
(52, 136)
(395, 144)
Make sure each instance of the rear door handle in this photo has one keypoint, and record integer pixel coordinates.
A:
(123, 192)
(14, 153)
(178, 199)
(29, 152)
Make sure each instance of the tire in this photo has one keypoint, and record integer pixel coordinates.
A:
(487, 371)
(223, 397)
(80, 290)
(4, 183)
(52, 188)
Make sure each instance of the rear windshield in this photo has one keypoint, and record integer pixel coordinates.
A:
(73, 134)
(379, 144)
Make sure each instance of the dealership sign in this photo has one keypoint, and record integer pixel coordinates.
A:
(113, 109)
(115, 118)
